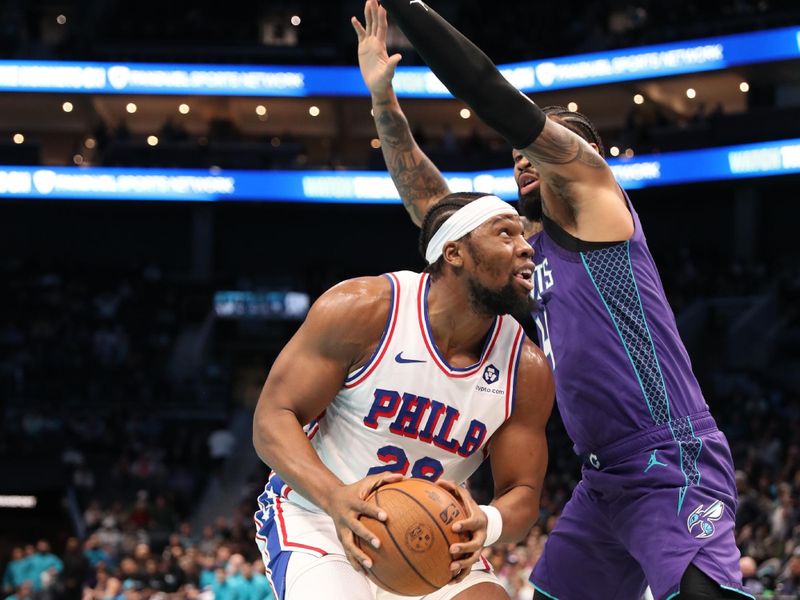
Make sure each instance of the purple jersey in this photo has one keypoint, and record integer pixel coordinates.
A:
(610, 335)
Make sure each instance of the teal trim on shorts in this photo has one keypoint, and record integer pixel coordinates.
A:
(541, 591)
(724, 587)
(738, 591)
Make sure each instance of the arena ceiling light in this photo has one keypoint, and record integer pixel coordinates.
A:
(295, 20)
(572, 106)
(313, 111)
(465, 113)
(691, 93)
(638, 99)
(18, 138)
(8, 501)
(261, 110)
(744, 87)
(67, 107)
(184, 109)
(614, 151)
(131, 107)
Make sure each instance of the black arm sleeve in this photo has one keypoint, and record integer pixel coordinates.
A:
(468, 73)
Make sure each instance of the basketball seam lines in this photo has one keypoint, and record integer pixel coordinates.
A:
(425, 579)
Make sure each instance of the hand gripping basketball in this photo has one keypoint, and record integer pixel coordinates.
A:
(465, 554)
(346, 505)
(414, 557)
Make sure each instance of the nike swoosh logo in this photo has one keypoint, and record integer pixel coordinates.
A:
(399, 358)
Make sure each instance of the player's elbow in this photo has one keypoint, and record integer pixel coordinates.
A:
(264, 433)
(261, 439)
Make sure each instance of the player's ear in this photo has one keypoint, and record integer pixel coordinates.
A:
(595, 146)
(453, 254)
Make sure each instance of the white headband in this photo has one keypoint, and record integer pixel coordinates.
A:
(466, 219)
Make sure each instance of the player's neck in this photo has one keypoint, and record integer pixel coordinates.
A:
(456, 326)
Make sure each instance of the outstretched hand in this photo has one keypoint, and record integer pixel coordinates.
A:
(377, 67)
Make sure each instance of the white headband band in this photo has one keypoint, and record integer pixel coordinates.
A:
(466, 219)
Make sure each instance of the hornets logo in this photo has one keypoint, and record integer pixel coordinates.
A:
(704, 519)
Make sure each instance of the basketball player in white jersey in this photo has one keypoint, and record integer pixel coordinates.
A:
(407, 375)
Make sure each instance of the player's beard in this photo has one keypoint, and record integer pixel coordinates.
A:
(530, 206)
(504, 301)
(487, 301)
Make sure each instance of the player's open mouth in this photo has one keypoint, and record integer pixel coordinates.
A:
(527, 183)
(525, 278)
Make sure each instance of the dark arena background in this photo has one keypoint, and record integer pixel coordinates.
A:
(178, 181)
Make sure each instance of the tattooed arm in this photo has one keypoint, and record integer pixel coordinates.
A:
(417, 179)
(577, 187)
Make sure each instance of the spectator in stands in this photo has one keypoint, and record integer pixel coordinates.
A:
(23, 592)
(789, 580)
(251, 585)
(15, 570)
(44, 566)
(221, 443)
(75, 571)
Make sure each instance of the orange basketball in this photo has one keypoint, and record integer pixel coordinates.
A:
(414, 557)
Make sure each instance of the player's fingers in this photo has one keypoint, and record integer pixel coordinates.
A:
(356, 561)
(462, 575)
(466, 499)
(373, 483)
(350, 550)
(450, 486)
(360, 32)
(382, 24)
(361, 530)
(371, 16)
(370, 510)
(360, 558)
(391, 65)
(471, 522)
(459, 549)
(461, 568)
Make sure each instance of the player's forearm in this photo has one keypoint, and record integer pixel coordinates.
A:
(418, 181)
(519, 508)
(280, 442)
(468, 73)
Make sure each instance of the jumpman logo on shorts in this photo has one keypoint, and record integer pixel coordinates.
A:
(653, 462)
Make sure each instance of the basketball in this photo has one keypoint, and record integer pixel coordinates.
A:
(414, 556)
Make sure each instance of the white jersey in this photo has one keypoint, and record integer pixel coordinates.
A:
(406, 410)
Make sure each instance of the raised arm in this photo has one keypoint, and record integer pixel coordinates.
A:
(416, 178)
(339, 334)
(567, 164)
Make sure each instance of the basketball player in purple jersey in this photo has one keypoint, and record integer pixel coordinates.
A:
(416, 374)
(657, 500)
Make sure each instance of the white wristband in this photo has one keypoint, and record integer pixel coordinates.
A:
(494, 524)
